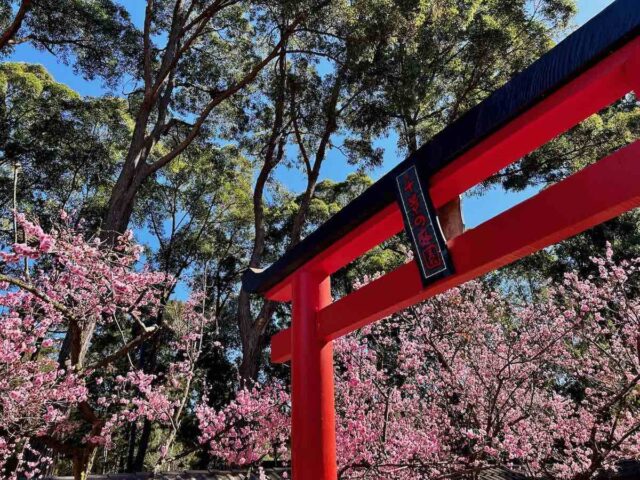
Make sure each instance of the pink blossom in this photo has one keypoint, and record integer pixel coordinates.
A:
(470, 379)
(84, 281)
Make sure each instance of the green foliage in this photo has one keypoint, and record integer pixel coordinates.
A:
(199, 207)
(66, 147)
(95, 36)
(588, 142)
(447, 55)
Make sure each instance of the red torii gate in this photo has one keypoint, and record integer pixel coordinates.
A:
(592, 68)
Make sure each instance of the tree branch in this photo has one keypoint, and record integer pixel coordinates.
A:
(150, 332)
(147, 46)
(296, 129)
(13, 28)
(41, 295)
(222, 96)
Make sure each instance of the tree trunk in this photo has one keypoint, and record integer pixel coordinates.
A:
(143, 446)
(247, 370)
(121, 204)
(251, 358)
(252, 333)
(133, 431)
(252, 347)
(81, 463)
(148, 362)
(450, 216)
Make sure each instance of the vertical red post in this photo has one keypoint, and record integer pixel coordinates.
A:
(313, 436)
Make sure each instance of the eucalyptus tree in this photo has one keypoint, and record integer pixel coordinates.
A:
(316, 92)
(413, 66)
(96, 36)
(450, 54)
(57, 149)
(195, 60)
(198, 57)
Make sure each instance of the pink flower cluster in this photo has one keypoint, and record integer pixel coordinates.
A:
(474, 378)
(253, 426)
(76, 286)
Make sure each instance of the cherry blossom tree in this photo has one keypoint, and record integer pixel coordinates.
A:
(250, 428)
(548, 384)
(474, 377)
(50, 400)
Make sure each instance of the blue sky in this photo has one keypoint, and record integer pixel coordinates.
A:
(476, 209)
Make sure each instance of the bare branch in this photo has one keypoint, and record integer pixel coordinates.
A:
(151, 331)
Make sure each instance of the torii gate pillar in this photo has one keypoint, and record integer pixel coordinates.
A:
(313, 434)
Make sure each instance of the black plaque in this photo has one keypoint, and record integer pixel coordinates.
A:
(429, 247)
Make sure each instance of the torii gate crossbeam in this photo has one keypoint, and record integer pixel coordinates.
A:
(594, 67)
